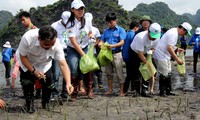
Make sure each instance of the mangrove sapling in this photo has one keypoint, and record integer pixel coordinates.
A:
(178, 104)
(65, 114)
(117, 108)
(186, 103)
(36, 116)
(119, 105)
(107, 108)
(165, 110)
(129, 102)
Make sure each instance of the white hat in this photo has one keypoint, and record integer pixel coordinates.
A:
(197, 31)
(65, 16)
(155, 30)
(77, 4)
(7, 45)
(187, 26)
(89, 16)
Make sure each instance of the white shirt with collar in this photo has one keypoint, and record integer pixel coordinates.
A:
(80, 34)
(62, 33)
(169, 38)
(40, 58)
(142, 43)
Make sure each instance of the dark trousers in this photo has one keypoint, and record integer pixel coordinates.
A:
(8, 68)
(28, 80)
(195, 60)
(128, 78)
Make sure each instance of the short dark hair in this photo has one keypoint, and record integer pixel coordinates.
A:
(133, 24)
(47, 33)
(25, 14)
(111, 16)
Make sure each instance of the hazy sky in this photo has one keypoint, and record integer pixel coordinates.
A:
(178, 6)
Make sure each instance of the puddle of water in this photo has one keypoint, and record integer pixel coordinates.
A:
(186, 83)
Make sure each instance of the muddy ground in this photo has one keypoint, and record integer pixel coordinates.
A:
(185, 106)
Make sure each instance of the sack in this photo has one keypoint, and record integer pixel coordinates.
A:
(181, 68)
(105, 55)
(147, 70)
(88, 62)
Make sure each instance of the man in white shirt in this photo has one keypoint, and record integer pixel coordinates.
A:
(143, 42)
(162, 56)
(37, 48)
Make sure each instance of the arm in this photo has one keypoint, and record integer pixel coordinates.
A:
(142, 57)
(76, 46)
(100, 44)
(27, 64)
(119, 44)
(173, 54)
(66, 74)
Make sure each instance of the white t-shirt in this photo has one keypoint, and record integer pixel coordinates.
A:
(62, 33)
(169, 38)
(95, 32)
(40, 58)
(80, 34)
(142, 43)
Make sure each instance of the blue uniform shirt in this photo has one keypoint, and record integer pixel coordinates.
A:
(113, 36)
(195, 38)
(125, 50)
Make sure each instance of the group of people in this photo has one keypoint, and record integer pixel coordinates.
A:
(46, 53)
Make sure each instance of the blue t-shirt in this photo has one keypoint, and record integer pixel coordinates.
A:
(195, 38)
(7, 54)
(183, 40)
(113, 36)
(125, 50)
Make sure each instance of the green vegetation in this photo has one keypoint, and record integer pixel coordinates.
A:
(158, 11)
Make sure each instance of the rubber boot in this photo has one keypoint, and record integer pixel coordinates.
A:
(88, 84)
(145, 88)
(74, 94)
(137, 87)
(162, 85)
(168, 86)
(30, 105)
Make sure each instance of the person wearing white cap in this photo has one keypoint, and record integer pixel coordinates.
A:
(7, 54)
(78, 31)
(141, 44)
(195, 41)
(61, 27)
(164, 51)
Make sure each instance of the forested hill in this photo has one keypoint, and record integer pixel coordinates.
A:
(158, 11)
(5, 16)
(161, 13)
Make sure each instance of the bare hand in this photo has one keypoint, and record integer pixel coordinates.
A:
(2, 104)
(179, 61)
(110, 46)
(70, 89)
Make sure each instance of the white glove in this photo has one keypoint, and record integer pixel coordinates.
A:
(92, 39)
(150, 52)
